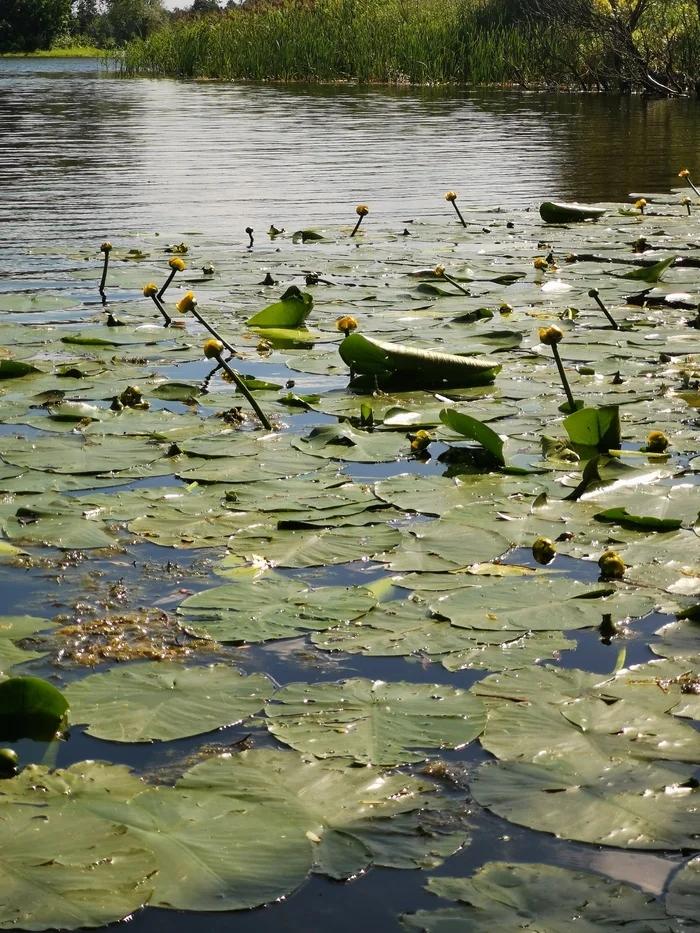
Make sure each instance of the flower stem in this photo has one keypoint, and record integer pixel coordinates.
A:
(159, 304)
(456, 284)
(613, 322)
(236, 376)
(459, 214)
(166, 283)
(687, 178)
(213, 332)
(564, 380)
(357, 225)
(104, 274)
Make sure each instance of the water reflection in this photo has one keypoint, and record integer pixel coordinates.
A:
(82, 154)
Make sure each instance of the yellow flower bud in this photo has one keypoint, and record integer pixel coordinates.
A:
(683, 173)
(106, 247)
(187, 303)
(540, 263)
(362, 210)
(439, 270)
(150, 290)
(451, 196)
(177, 264)
(612, 565)
(420, 441)
(543, 551)
(686, 201)
(640, 204)
(657, 442)
(213, 349)
(549, 336)
(346, 323)
(505, 308)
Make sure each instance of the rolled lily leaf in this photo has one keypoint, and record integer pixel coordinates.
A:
(620, 516)
(595, 427)
(292, 308)
(475, 430)
(650, 273)
(15, 369)
(30, 708)
(556, 213)
(420, 367)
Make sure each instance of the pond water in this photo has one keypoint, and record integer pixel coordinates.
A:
(84, 156)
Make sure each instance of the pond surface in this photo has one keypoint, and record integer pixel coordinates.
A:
(149, 162)
(82, 154)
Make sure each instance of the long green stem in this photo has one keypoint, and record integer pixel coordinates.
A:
(456, 284)
(687, 178)
(104, 273)
(459, 214)
(564, 380)
(166, 283)
(159, 304)
(596, 297)
(213, 332)
(244, 389)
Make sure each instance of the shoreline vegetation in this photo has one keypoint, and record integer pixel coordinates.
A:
(645, 46)
(77, 51)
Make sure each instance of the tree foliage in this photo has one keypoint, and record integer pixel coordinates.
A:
(27, 25)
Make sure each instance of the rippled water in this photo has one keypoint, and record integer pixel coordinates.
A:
(83, 155)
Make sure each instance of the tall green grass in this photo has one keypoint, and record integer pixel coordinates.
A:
(390, 41)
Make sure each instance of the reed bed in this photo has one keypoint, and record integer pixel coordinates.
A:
(389, 41)
(401, 42)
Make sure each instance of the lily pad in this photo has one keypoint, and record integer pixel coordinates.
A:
(510, 898)
(374, 722)
(161, 701)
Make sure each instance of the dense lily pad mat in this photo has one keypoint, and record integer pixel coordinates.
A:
(234, 832)
(380, 518)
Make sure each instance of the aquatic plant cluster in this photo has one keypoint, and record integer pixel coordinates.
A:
(481, 448)
(650, 46)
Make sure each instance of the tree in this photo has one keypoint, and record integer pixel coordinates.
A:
(203, 7)
(27, 25)
(132, 19)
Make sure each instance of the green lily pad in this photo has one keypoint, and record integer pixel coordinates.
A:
(375, 723)
(68, 871)
(510, 898)
(30, 708)
(161, 701)
(292, 308)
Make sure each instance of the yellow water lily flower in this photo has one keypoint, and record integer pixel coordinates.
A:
(451, 196)
(362, 210)
(683, 173)
(543, 551)
(106, 247)
(539, 262)
(439, 270)
(641, 204)
(346, 323)
(150, 290)
(657, 442)
(213, 349)
(612, 565)
(176, 264)
(550, 336)
(187, 303)
(420, 441)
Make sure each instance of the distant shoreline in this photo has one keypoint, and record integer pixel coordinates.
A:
(74, 52)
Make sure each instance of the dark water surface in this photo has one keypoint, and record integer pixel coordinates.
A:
(84, 156)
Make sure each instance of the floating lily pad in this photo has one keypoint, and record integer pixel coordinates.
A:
(510, 898)
(161, 701)
(375, 723)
